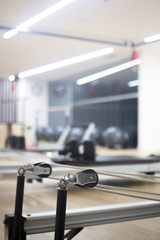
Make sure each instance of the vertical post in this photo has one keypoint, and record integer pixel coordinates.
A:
(36, 126)
(60, 214)
(17, 223)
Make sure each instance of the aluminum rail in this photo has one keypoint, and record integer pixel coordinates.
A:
(90, 216)
(9, 171)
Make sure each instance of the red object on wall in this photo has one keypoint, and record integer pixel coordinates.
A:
(134, 55)
(13, 87)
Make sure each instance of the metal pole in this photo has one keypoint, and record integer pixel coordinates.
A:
(17, 224)
(60, 214)
(72, 37)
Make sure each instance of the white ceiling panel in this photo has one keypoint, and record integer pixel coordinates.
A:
(112, 20)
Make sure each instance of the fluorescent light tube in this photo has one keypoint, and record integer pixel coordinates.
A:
(133, 83)
(108, 72)
(65, 63)
(10, 33)
(37, 18)
(152, 38)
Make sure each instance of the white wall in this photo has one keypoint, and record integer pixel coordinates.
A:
(29, 102)
(149, 99)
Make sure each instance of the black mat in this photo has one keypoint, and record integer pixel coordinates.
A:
(108, 160)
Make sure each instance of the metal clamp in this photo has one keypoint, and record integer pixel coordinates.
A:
(68, 179)
(26, 168)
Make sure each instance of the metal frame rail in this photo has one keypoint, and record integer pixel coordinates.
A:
(9, 171)
(35, 223)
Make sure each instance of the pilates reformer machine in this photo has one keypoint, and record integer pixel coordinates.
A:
(78, 154)
(19, 225)
(127, 164)
(88, 159)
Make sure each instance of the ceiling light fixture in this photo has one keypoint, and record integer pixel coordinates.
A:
(108, 72)
(23, 27)
(10, 33)
(64, 63)
(152, 38)
(133, 83)
(11, 78)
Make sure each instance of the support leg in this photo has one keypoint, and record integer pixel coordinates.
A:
(60, 214)
(17, 223)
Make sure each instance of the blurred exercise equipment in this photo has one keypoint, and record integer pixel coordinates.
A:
(15, 142)
(116, 137)
(96, 136)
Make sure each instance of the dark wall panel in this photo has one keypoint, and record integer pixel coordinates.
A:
(7, 102)
(60, 94)
(122, 114)
(107, 101)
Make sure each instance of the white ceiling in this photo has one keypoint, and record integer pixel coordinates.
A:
(105, 20)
